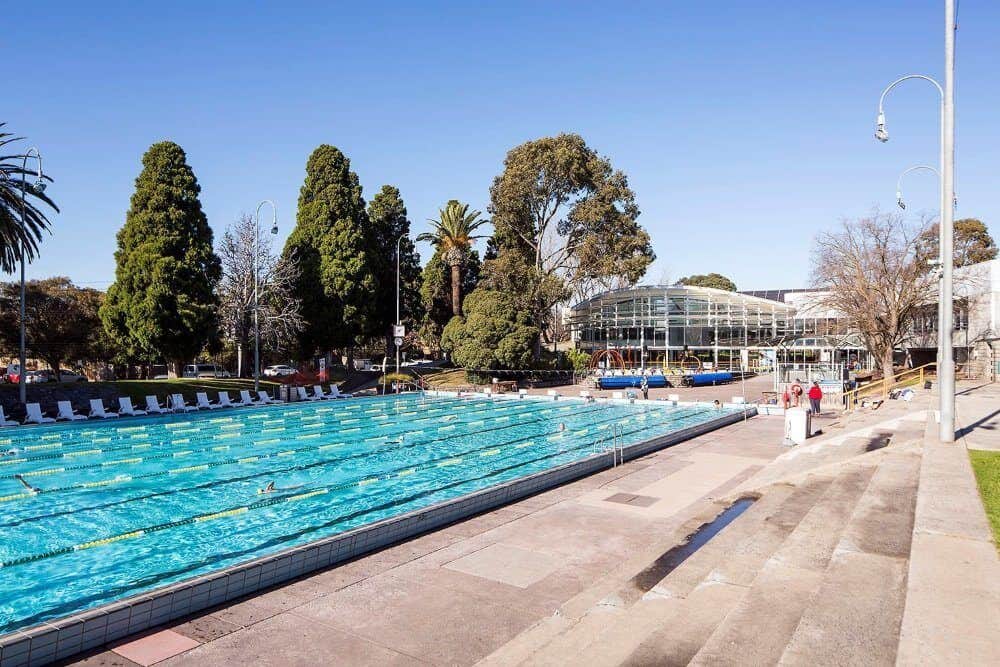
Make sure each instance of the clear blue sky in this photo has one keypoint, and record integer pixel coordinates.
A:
(744, 127)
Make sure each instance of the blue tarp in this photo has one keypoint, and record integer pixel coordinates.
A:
(703, 379)
(626, 381)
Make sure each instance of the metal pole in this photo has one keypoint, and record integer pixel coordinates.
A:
(22, 387)
(398, 241)
(256, 280)
(947, 372)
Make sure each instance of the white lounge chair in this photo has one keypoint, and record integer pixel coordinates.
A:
(263, 398)
(66, 412)
(35, 416)
(7, 422)
(319, 393)
(97, 410)
(153, 406)
(203, 402)
(245, 399)
(306, 396)
(336, 393)
(177, 404)
(224, 401)
(125, 407)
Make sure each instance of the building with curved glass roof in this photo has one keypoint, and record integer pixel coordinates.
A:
(660, 325)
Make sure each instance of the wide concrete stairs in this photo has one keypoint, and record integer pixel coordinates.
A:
(812, 573)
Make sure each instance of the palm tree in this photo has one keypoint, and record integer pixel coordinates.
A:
(453, 237)
(19, 234)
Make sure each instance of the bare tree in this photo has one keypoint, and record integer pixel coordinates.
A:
(872, 275)
(279, 312)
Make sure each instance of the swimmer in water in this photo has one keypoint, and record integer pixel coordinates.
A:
(29, 487)
(562, 427)
(271, 488)
(12, 452)
(718, 406)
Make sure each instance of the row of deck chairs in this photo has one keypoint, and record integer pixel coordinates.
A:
(175, 403)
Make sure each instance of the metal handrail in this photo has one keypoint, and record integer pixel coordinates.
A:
(885, 385)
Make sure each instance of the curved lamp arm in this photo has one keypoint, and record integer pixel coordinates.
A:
(880, 132)
(899, 181)
(274, 215)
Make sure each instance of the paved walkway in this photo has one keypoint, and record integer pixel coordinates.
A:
(953, 588)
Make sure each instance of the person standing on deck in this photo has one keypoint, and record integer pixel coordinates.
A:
(815, 397)
(644, 385)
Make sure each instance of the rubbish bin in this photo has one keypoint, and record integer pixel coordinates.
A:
(285, 394)
(798, 425)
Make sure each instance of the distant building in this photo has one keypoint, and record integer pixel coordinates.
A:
(657, 325)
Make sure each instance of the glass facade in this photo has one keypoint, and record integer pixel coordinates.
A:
(663, 325)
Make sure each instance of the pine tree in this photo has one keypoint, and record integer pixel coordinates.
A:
(162, 304)
(387, 215)
(331, 242)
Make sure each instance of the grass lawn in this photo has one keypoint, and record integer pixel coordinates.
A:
(986, 465)
(454, 377)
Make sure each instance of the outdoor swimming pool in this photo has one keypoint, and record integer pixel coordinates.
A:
(129, 505)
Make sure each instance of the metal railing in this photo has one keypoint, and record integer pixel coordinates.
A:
(906, 378)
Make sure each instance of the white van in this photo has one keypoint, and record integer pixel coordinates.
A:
(205, 371)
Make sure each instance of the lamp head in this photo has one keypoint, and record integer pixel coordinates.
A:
(40, 185)
(274, 229)
(880, 132)
(899, 200)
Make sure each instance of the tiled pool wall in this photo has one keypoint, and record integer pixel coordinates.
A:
(65, 637)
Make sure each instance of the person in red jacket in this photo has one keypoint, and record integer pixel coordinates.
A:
(815, 397)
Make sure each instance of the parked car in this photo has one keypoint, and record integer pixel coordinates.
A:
(205, 371)
(278, 371)
(49, 375)
(13, 374)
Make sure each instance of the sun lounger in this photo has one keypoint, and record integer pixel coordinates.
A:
(224, 401)
(177, 404)
(306, 396)
(203, 402)
(336, 393)
(7, 422)
(97, 410)
(66, 412)
(320, 394)
(264, 398)
(125, 407)
(35, 415)
(245, 399)
(153, 406)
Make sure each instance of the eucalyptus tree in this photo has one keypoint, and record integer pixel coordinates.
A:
(279, 311)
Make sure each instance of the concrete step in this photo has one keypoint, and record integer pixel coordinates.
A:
(785, 585)
(669, 623)
(855, 615)
(628, 583)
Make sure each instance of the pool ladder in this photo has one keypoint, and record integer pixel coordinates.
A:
(617, 438)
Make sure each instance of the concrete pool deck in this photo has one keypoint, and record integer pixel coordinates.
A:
(866, 546)
(455, 595)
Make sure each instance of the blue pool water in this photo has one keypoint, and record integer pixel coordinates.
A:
(129, 505)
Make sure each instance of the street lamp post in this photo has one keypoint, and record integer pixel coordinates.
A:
(398, 242)
(256, 288)
(946, 365)
(22, 387)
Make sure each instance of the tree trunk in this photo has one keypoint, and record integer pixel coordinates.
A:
(887, 363)
(177, 368)
(456, 289)
(350, 362)
(239, 359)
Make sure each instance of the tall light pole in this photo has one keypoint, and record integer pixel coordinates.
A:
(22, 388)
(398, 242)
(256, 288)
(946, 365)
